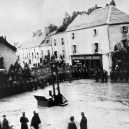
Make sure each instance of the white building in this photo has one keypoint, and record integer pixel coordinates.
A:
(60, 46)
(91, 38)
(33, 51)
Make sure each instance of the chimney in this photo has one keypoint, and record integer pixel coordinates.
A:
(5, 37)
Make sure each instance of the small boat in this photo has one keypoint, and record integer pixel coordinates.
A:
(56, 99)
(42, 101)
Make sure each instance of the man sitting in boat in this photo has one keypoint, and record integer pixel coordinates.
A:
(59, 99)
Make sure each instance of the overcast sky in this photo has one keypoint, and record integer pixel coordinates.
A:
(19, 18)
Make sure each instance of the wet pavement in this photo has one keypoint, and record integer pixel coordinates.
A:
(106, 106)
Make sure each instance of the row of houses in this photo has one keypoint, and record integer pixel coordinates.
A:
(88, 40)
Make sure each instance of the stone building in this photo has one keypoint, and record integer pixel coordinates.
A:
(7, 54)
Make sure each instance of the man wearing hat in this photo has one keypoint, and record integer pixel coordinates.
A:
(5, 122)
(83, 123)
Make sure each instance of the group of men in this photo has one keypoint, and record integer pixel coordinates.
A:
(83, 122)
(34, 122)
(23, 120)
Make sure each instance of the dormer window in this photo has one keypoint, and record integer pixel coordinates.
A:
(124, 29)
(94, 32)
(73, 36)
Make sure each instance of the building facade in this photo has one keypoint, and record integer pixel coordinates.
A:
(7, 54)
(92, 38)
(35, 51)
(60, 46)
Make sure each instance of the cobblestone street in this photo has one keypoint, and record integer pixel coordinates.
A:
(105, 106)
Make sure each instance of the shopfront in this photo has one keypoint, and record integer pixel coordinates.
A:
(91, 61)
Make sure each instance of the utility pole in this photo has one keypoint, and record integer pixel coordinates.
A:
(53, 84)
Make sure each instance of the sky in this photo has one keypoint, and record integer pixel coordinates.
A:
(20, 18)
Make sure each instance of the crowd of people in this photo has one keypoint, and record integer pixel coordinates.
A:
(36, 121)
(119, 75)
(18, 79)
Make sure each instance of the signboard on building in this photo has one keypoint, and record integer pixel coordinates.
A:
(86, 57)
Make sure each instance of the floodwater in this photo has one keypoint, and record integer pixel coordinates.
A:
(106, 106)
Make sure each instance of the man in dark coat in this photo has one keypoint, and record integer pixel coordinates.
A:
(83, 123)
(5, 123)
(71, 124)
(35, 121)
(24, 121)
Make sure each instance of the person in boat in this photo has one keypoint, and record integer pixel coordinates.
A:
(35, 121)
(83, 123)
(71, 124)
(24, 120)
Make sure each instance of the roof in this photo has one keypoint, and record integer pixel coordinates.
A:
(6, 43)
(34, 42)
(46, 41)
(108, 15)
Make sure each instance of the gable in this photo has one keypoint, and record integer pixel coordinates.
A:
(117, 16)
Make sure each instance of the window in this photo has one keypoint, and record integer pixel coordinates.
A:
(96, 47)
(54, 42)
(63, 53)
(55, 54)
(29, 61)
(124, 29)
(32, 55)
(48, 52)
(95, 32)
(74, 49)
(73, 36)
(47, 41)
(62, 41)
(37, 55)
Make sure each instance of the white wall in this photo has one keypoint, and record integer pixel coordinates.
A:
(84, 39)
(45, 50)
(59, 47)
(26, 54)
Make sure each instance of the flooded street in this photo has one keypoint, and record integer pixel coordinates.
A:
(106, 106)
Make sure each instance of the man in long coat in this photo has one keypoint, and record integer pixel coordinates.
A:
(83, 123)
(35, 121)
(24, 120)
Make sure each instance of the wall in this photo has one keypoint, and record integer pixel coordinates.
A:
(85, 39)
(26, 54)
(59, 47)
(45, 50)
(8, 54)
